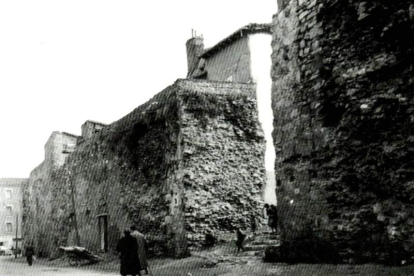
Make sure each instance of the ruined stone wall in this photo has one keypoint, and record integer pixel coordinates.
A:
(155, 167)
(343, 105)
(223, 159)
(37, 197)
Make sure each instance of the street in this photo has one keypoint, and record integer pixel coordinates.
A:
(204, 264)
(8, 268)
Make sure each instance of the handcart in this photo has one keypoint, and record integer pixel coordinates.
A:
(77, 254)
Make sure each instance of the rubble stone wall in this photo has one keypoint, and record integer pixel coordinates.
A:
(223, 160)
(343, 107)
(154, 167)
(37, 218)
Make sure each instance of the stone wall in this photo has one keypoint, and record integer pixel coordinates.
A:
(37, 210)
(89, 128)
(343, 105)
(223, 160)
(172, 167)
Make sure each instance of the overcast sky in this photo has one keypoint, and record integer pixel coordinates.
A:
(64, 62)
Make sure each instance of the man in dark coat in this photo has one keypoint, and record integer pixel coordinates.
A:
(274, 218)
(128, 247)
(271, 212)
(142, 248)
(29, 253)
(240, 237)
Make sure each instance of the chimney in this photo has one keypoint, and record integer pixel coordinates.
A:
(195, 47)
(281, 4)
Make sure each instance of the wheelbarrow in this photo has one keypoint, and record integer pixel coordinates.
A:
(76, 255)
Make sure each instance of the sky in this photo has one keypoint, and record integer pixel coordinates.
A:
(65, 62)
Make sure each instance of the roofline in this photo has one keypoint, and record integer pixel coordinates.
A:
(252, 28)
(12, 181)
(95, 122)
(70, 134)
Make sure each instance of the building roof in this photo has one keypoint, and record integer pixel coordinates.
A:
(95, 122)
(69, 134)
(252, 28)
(8, 182)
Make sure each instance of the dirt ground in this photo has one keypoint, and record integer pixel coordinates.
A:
(215, 262)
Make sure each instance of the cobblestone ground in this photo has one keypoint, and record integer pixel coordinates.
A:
(204, 263)
(11, 267)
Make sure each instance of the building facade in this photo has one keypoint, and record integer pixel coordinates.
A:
(11, 211)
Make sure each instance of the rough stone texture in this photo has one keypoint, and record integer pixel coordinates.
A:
(37, 221)
(343, 105)
(89, 128)
(223, 168)
(172, 166)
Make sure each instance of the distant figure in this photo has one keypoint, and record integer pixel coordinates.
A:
(253, 224)
(210, 240)
(29, 253)
(274, 218)
(240, 240)
(271, 212)
(128, 247)
(142, 248)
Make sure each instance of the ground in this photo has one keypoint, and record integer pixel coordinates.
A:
(217, 262)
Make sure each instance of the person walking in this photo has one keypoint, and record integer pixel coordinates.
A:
(128, 247)
(271, 213)
(240, 237)
(142, 248)
(29, 253)
(274, 219)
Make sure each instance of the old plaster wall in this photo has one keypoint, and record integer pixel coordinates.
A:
(173, 166)
(11, 208)
(343, 105)
(231, 63)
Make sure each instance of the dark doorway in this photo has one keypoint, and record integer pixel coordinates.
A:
(103, 232)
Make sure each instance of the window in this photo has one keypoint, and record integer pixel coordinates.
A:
(8, 194)
(9, 227)
(9, 211)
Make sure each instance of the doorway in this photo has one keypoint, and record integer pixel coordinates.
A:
(103, 232)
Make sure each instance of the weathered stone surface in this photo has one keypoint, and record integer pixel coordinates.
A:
(189, 160)
(343, 105)
(37, 220)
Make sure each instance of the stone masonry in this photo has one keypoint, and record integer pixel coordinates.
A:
(344, 115)
(37, 191)
(189, 160)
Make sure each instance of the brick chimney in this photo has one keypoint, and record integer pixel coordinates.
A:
(195, 47)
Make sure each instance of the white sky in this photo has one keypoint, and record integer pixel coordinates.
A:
(64, 62)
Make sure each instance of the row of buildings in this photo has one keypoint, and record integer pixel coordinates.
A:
(11, 211)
